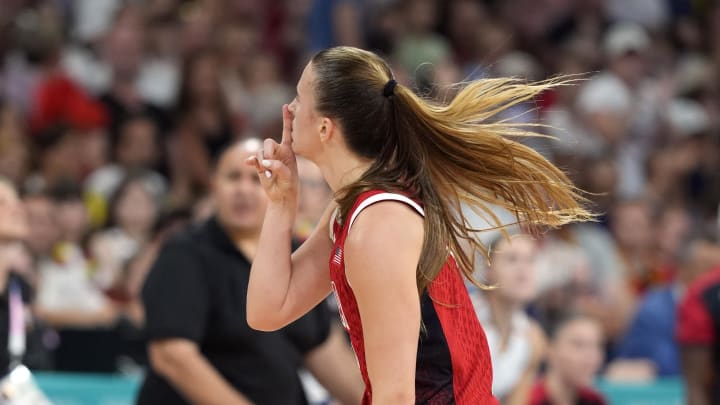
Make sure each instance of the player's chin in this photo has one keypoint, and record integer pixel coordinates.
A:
(301, 148)
(297, 148)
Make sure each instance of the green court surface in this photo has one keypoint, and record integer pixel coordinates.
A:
(96, 389)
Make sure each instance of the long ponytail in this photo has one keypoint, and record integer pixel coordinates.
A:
(444, 154)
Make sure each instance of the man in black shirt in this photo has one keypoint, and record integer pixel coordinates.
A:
(200, 346)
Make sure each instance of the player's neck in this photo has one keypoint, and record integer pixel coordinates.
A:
(342, 168)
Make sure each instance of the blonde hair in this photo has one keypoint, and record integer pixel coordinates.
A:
(444, 154)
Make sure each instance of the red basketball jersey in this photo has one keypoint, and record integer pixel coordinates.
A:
(453, 361)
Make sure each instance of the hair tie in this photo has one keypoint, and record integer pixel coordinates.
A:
(389, 88)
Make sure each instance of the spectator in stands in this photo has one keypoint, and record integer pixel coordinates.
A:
(601, 122)
(59, 101)
(517, 342)
(419, 44)
(56, 159)
(633, 230)
(695, 150)
(600, 176)
(574, 357)
(14, 159)
(136, 148)
(15, 150)
(465, 19)
(664, 177)
(123, 55)
(199, 20)
(573, 144)
(697, 333)
(43, 230)
(160, 80)
(674, 225)
(204, 127)
(15, 266)
(34, 47)
(128, 289)
(66, 296)
(651, 335)
(578, 267)
(268, 93)
(334, 22)
(239, 43)
(200, 347)
(134, 210)
(627, 49)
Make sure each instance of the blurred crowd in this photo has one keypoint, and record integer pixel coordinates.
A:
(112, 113)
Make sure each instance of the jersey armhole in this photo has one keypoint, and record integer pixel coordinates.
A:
(376, 199)
(384, 197)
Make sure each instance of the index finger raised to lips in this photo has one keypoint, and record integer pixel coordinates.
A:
(287, 125)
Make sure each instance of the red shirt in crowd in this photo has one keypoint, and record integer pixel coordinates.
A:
(586, 396)
(699, 319)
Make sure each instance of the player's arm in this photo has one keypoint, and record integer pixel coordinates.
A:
(283, 287)
(381, 258)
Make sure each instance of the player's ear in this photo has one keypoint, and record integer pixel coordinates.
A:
(327, 129)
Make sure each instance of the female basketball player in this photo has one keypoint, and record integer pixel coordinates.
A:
(399, 168)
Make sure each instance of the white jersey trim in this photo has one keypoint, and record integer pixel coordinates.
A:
(331, 224)
(385, 197)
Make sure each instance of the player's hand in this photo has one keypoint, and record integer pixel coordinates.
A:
(276, 164)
